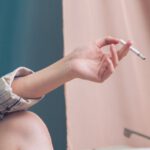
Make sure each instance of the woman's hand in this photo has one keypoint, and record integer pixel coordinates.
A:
(92, 63)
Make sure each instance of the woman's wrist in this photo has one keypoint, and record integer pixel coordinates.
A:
(70, 64)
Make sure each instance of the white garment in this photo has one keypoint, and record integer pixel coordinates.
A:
(9, 101)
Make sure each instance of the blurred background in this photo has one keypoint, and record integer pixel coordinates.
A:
(31, 36)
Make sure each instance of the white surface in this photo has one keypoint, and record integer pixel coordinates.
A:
(121, 148)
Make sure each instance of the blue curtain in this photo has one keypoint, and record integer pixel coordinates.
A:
(31, 36)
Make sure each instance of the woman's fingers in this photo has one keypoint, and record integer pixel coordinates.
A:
(102, 67)
(109, 69)
(110, 66)
(114, 55)
(109, 61)
(107, 41)
(124, 50)
(106, 69)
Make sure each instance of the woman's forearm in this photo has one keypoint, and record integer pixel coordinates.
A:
(88, 62)
(41, 82)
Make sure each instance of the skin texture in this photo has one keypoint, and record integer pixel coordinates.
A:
(25, 130)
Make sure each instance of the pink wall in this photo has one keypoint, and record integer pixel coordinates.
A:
(98, 113)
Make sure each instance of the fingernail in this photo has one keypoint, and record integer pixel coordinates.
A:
(130, 42)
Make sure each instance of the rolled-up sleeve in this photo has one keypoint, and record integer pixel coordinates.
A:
(9, 101)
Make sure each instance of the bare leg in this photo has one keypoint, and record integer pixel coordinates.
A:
(24, 131)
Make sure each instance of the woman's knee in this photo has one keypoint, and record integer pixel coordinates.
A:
(28, 127)
(22, 120)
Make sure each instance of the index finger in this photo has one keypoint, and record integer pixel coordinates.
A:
(124, 50)
(107, 41)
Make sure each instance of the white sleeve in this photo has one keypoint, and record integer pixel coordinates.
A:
(9, 101)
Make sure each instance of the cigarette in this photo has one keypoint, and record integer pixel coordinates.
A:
(134, 50)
